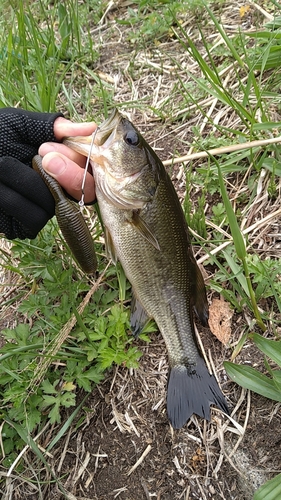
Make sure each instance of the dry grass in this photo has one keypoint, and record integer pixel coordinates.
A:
(125, 448)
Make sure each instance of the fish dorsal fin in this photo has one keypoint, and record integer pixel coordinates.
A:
(139, 317)
(110, 248)
(141, 226)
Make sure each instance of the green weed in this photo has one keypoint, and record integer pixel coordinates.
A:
(243, 278)
(37, 56)
(47, 61)
(29, 396)
(267, 386)
(196, 218)
(243, 100)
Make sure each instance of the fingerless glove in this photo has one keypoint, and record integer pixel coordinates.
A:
(26, 203)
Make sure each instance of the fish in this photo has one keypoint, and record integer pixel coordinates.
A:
(146, 230)
(71, 222)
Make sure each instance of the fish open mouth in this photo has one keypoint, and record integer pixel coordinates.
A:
(106, 129)
(103, 137)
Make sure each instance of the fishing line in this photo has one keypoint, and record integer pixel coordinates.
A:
(81, 202)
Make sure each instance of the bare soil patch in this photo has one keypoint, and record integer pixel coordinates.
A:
(126, 449)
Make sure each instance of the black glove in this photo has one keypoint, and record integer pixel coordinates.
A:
(26, 204)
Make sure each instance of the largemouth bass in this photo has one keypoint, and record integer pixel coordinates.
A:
(146, 230)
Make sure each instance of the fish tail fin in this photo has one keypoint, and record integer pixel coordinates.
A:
(192, 390)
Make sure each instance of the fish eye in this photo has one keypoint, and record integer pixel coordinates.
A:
(132, 138)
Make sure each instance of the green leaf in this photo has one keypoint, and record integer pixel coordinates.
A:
(26, 437)
(84, 379)
(276, 374)
(66, 424)
(272, 165)
(122, 282)
(68, 399)
(271, 58)
(271, 348)
(54, 414)
(234, 228)
(249, 378)
(271, 490)
(237, 271)
(48, 387)
(49, 400)
(34, 418)
(266, 126)
(91, 352)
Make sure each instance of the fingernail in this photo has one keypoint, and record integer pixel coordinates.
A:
(55, 166)
(46, 147)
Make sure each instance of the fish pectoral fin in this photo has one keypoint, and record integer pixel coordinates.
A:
(141, 226)
(138, 318)
(110, 248)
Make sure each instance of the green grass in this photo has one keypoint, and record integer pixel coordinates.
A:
(28, 384)
(43, 52)
(48, 59)
(267, 386)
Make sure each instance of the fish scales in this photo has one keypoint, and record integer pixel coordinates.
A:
(145, 229)
(159, 277)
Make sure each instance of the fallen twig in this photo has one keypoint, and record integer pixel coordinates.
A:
(223, 150)
(139, 461)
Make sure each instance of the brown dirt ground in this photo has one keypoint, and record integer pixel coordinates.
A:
(125, 423)
(125, 417)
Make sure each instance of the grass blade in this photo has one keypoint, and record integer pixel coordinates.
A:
(271, 348)
(249, 378)
(67, 424)
(271, 490)
(239, 243)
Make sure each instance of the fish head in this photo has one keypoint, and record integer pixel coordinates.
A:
(116, 146)
(121, 159)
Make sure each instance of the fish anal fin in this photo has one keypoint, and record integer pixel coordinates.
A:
(138, 318)
(141, 226)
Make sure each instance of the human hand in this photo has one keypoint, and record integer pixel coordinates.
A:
(26, 204)
(64, 164)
